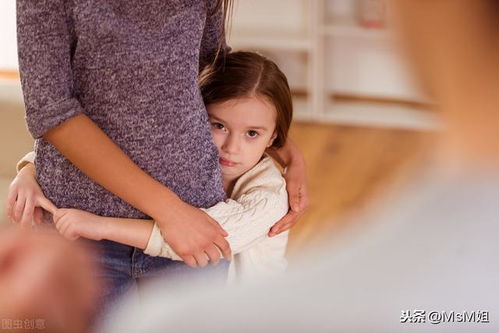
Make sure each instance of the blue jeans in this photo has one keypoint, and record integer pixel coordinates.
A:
(124, 268)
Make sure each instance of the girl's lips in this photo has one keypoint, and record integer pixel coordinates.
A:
(226, 162)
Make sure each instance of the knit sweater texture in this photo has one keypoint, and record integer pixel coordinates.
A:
(258, 201)
(132, 67)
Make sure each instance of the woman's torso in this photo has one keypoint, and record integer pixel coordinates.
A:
(135, 68)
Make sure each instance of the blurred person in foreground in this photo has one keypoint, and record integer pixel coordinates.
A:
(433, 249)
(46, 283)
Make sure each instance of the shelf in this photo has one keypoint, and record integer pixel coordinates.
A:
(270, 41)
(9, 74)
(352, 29)
(323, 33)
(367, 114)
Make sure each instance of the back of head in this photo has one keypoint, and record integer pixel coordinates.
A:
(248, 74)
(453, 45)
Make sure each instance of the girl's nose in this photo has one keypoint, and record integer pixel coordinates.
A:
(231, 144)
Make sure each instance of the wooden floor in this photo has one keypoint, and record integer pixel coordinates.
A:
(347, 167)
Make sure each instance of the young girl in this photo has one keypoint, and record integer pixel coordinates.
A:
(250, 110)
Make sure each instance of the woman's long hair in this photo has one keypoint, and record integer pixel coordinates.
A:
(227, 6)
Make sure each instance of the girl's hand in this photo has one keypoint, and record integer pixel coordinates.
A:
(26, 200)
(75, 223)
(296, 185)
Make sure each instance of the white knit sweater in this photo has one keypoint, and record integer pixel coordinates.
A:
(258, 200)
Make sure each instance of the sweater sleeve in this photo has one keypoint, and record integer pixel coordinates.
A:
(247, 220)
(28, 158)
(45, 41)
(157, 247)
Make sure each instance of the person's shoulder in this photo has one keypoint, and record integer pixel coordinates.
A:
(267, 169)
(264, 176)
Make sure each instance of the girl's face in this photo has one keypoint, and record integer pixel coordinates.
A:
(242, 129)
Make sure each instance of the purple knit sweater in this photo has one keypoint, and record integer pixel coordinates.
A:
(132, 67)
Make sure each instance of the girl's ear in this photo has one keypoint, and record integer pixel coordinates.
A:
(271, 141)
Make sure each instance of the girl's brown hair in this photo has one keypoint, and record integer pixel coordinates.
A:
(247, 74)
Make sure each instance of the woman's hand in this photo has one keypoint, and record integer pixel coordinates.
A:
(194, 236)
(26, 200)
(296, 185)
(74, 223)
(85, 145)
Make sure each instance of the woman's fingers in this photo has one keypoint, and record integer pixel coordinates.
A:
(190, 261)
(19, 208)
(11, 200)
(27, 217)
(294, 197)
(298, 196)
(304, 198)
(213, 255)
(284, 228)
(222, 230)
(286, 223)
(201, 259)
(298, 202)
(224, 247)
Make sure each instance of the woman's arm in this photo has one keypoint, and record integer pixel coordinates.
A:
(94, 153)
(262, 201)
(188, 230)
(247, 221)
(290, 158)
(45, 42)
(73, 223)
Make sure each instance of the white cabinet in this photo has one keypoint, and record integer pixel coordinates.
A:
(326, 53)
(8, 50)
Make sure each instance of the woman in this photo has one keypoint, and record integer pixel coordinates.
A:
(119, 80)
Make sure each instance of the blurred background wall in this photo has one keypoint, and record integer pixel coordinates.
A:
(14, 138)
(359, 118)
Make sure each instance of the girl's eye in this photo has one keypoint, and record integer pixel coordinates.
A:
(218, 126)
(252, 134)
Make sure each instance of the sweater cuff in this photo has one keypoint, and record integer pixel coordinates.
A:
(157, 247)
(41, 120)
(28, 158)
